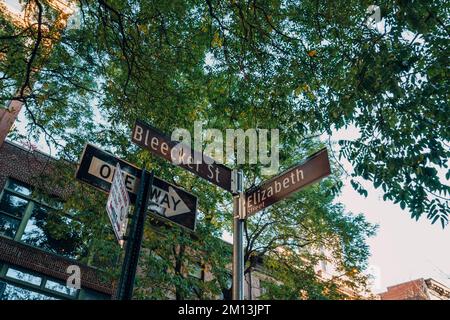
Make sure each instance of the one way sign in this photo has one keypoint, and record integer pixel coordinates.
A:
(166, 200)
(168, 203)
(172, 203)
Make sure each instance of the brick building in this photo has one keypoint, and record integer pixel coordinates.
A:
(33, 263)
(419, 289)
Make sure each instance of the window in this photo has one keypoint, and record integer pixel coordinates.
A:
(13, 205)
(19, 187)
(226, 291)
(195, 270)
(60, 288)
(38, 221)
(156, 265)
(229, 282)
(8, 225)
(262, 287)
(323, 265)
(20, 284)
(23, 276)
(49, 230)
(10, 291)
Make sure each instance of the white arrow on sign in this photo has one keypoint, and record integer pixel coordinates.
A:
(168, 204)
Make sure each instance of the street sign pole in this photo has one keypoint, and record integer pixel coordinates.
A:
(238, 243)
(134, 241)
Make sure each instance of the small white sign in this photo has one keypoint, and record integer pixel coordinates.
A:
(118, 205)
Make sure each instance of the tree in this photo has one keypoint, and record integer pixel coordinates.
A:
(307, 68)
(293, 237)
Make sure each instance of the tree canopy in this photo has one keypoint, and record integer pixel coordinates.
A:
(308, 68)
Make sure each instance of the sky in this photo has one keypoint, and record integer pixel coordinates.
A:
(402, 250)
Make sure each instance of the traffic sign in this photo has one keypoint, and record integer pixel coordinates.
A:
(166, 200)
(150, 138)
(174, 204)
(118, 205)
(314, 168)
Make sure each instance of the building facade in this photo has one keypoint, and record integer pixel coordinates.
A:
(34, 263)
(419, 289)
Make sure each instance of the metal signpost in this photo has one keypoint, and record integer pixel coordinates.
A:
(134, 241)
(238, 240)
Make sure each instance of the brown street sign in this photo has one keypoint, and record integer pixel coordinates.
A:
(314, 168)
(150, 138)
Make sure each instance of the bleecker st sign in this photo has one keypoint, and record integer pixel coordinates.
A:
(152, 139)
(167, 201)
(271, 191)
